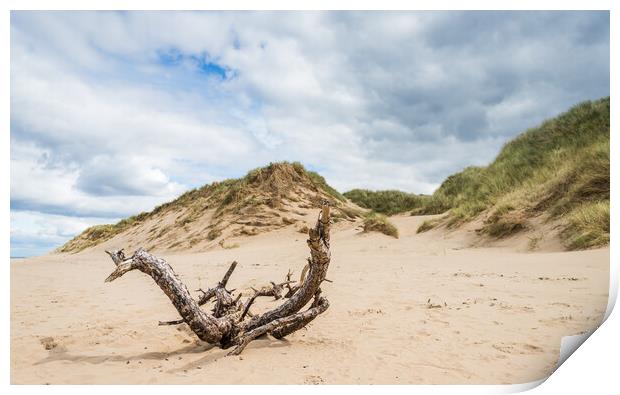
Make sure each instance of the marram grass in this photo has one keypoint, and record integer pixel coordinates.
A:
(375, 222)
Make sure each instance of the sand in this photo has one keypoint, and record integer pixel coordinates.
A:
(423, 309)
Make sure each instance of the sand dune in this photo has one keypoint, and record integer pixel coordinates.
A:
(421, 309)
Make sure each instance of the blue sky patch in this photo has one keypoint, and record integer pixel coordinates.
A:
(203, 63)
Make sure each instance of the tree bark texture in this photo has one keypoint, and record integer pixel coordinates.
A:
(230, 323)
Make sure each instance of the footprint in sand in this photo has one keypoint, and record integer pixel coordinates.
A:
(359, 313)
(532, 348)
(424, 333)
(560, 304)
(52, 345)
(311, 379)
(516, 348)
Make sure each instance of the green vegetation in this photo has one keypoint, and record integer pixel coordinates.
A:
(588, 226)
(276, 179)
(100, 233)
(560, 168)
(321, 184)
(375, 222)
(350, 213)
(280, 177)
(386, 202)
(503, 223)
(429, 224)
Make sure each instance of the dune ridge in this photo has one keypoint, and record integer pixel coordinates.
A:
(273, 197)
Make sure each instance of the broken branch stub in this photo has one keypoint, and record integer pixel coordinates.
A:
(230, 323)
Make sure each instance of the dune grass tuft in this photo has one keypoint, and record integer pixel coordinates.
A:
(504, 222)
(375, 222)
(429, 224)
(588, 226)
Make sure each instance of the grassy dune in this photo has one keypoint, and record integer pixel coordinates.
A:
(265, 186)
(386, 202)
(560, 168)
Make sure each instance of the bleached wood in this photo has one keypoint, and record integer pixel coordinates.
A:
(230, 322)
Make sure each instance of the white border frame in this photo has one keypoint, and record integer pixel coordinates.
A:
(591, 367)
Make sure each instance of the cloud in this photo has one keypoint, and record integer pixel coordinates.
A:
(39, 184)
(34, 233)
(114, 112)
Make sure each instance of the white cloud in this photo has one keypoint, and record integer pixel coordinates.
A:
(34, 233)
(39, 185)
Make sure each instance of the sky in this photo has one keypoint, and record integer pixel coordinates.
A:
(113, 113)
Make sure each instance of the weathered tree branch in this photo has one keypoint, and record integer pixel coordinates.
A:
(318, 242)
(227, 324)
(296, 320)
(302, 277)
(210, 293)
(286, 330)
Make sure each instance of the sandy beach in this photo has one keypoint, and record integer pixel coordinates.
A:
(422, 309)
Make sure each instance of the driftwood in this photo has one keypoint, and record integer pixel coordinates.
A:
(230, 323)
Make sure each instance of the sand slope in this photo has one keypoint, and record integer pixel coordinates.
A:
(421, 309)
(277, 196)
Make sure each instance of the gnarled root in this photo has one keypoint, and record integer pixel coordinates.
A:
(230, 323)
(291, 323)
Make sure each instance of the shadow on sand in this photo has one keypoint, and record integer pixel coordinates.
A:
(61, 354)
